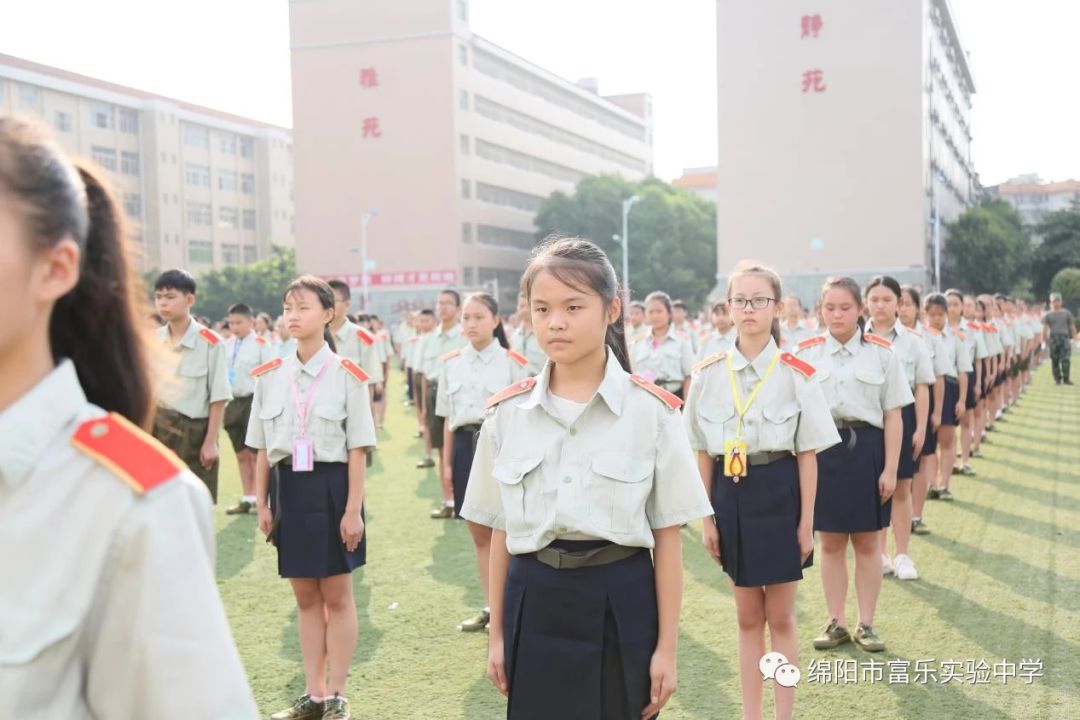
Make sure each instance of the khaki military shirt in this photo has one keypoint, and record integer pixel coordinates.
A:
(623, 468)
(437, 344)
(527, 344)
(993, 339)
(716, 341)
(244, 355)
(688, 332)
(470, 377)
(861, 379)
(977, 337)
(200, 374)
(108, 604)
(667, 361)
(790, 337)
(912, 350)
(357, 344)
(340, 416)
(789, 413)
(1005, 332)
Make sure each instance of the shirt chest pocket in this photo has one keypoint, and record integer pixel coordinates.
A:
(870, 383)
(717, 424)
(780, 421)
(521, 490)
(194, 367)
(272, 417)
(618, 489)
(326, 427)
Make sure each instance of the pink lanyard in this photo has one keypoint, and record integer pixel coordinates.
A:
(303, 406)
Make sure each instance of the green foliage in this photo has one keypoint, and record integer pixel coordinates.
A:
(1060, 248)
(259, 285)
(1067, 282)
(672, 232)
(987, 249)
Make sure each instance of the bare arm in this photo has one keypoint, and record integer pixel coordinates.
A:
(499, 564)
(667, 558)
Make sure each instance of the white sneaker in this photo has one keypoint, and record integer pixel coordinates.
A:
(905, 568)
(886, 565)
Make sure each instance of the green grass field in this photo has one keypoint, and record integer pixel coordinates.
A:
(1000, 580)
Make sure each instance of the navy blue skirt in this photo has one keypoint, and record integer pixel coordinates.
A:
(970, 401)
(310, 506)
(930, 441)
(848, 500)
(464, 449)
(905, 468)
(578, 642)
(758, 519)
(952, 395)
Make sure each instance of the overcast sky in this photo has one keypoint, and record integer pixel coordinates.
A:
(233, 55)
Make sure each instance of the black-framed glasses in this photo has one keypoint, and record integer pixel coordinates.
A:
(758, 303)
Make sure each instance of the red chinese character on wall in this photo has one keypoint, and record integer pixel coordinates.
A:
(371, 128)
(369, 77)
(811, 26)
(814, 80)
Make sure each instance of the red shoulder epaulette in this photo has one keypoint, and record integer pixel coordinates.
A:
(413, 339)
(365, 336)
(260, 340)
(353, 369)
(798, 364)
(510, 391)
(210, 336)
(134, 456)
(706, 362)
(672, 401)
(990, 328)
(914, 332)
(960, 334)
(810, 342)
(877, 340)
(933, 330)
(452, 354)
(517, 357)
(266, 367)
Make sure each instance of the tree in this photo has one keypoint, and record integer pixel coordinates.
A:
(987, 250)
(672, 232)
(1060, 247)
(259, 284)
(1067, 282)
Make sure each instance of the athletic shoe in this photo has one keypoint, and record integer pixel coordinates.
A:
(968, 470)
(867, 639)
(426, 463)
(886, 565)
(304, 708)
(905, 568)
(834, 636)
(918, 527)
(337, 708)
(476, 623)
(933, 494)
(946, 495)
(241, 508)
(446, 512)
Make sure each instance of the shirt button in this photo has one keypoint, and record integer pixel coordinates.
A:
(573, 431)
(568, 479)
(560, 529)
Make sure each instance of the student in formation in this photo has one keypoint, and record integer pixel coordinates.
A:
(973, 326)
(444, 338)
(353, 341)
(385, 345)
(757, 418)
(580, 472)
(425, 325)
(244, 352)
(882, 296)
(312, 427)
(192, 396)
(684, 328)
(468, 376)
(523, 340)
(954, 362)
(792, 328)
(109, 604)
(1061, 329)
(723, 333)
(1008, 342)
(865, 387)
(991, 369)
(973, 347)
(264, 327)
(662, 356)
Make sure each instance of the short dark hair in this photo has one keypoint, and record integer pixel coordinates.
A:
(638, 304)
(428, 311)
(340, 287)
(679, 305)
(936, 299)
(454, 294)
(241, 309)
(177, 279)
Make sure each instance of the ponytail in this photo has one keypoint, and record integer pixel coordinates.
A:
(615, 338)
(329, 338)
(862, 328)
(849, 284)
(500, 335)
(775, 330)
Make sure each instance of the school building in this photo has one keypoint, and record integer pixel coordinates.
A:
(1034, 199)
(203, 189)
(435, 147)
(844, 130)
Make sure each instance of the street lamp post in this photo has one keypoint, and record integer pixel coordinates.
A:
(626, 205)
(364, 220)
(937, 230)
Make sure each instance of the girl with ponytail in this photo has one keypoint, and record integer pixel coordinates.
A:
(75, 398)
(579, 472)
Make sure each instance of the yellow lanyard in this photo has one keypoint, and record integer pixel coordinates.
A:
(739, 407)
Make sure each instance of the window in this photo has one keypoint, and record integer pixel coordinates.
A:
(528, 163)
(230, 253)
(504, 237)
(508, 198)
(247, 184)
(249, 219)
(129, 163)
(63, 121)
(464, 140)
(463, 54)
(128, 120)
(250, 255)
(463, 10)
(198, 213)
(247, 147)
(196, 136)
(466, 232)
(133, 205)
(200, 251)
(197, 175)
(103, 156)
(226, 180)
(469, 276)
(101, 116)
(228, 217)
(463, 99)
(466, 189)
(227, 143)
(29, 98)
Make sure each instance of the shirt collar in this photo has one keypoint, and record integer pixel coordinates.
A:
(485, 356)
(834, 345)
(893, 332)
(314, 364)
(344, 331)
(188, 338)
(452, 333)
(612, 389)
(760, 363)
(31, 423)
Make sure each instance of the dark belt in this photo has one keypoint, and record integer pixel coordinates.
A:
(475, 428)
(852, 425)
(760, 458)
(952, 380)
(561, 559)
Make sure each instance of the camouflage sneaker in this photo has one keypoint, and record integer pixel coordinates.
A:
(918, 527)
(834, 636)
(945, 494)
(337, 708)
(446, 512)
(426, 463)
(241, 508)
(933, 494)
(303, 709)
(476, 623)
(866, 638)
